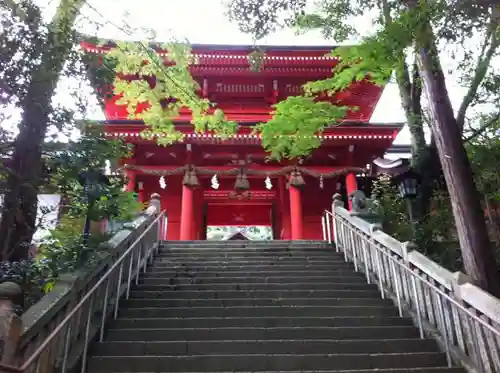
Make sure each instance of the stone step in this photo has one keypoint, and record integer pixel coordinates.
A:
(262, 362)
(164, 266)
(346, 283)
(258, 322)
(228, 294)
(251, 254)
(254, 302)
(247, 280)
(241, 250)
(266, 243)
(256, 261)
(269, 347)
(232, 247)
(272, 311)
(196, 273)
(247, 262)
(252, 333)
(404, 370)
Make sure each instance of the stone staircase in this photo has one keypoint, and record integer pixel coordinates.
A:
(260, 306)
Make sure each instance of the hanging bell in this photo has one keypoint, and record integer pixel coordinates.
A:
(296, 179)
(190, 179)
(241, 183)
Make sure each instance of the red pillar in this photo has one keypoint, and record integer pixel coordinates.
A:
(351, 185)
(198, 196)
(296, 213)
(132, 177)
(187, 213)
(284, 206)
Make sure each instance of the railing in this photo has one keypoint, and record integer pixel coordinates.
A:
(67, 345)
(464, 319)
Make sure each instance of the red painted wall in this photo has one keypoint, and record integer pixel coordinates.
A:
(283, 207)
(314, 201)
(239, 214)
(170, 200)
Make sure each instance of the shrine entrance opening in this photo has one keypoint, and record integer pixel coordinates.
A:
(239, 215)
(239, 233)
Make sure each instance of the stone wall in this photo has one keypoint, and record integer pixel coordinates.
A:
(40, 320)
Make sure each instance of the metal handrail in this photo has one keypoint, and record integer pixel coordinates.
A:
(136, 252)
(325, 223)
(464, 335)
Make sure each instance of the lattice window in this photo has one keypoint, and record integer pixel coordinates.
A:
(239, 88)
(293, 89)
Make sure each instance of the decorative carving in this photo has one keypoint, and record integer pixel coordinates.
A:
(241, 182)
(337, 200)
(234, 171)
(363, 207)
(190, 179)
(296, 179)
(244, 195)
(359, 201)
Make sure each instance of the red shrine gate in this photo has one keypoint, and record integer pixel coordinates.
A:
(290, 196)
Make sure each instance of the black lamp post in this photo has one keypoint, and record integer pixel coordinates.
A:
(408, 184)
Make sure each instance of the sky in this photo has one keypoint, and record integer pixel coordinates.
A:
(204, 21)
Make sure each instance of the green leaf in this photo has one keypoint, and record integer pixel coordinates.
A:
(296, 121)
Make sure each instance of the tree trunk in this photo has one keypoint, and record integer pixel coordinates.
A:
(477, 254)
(19, 210)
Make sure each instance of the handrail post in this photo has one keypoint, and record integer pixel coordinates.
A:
(336, 202)
(323, 225)
(328, 228)
(11, 295)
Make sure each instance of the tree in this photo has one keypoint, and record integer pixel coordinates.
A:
(46, 49)
(484, 151)
(403, 25)
(166, 85)
(88, 154)
(479, 260)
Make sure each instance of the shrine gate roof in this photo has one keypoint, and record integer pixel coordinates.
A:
(226, 78)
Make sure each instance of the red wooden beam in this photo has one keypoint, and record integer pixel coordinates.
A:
(142, 169)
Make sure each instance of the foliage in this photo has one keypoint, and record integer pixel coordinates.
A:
(384, 48)
(36, 55)
(421, 32)
(28, 275)
(295, 122)
(484, 153)
(104, 197)
(435, 235)
(63, 251)
(391, 208)
(167, 87)
(260, 18)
